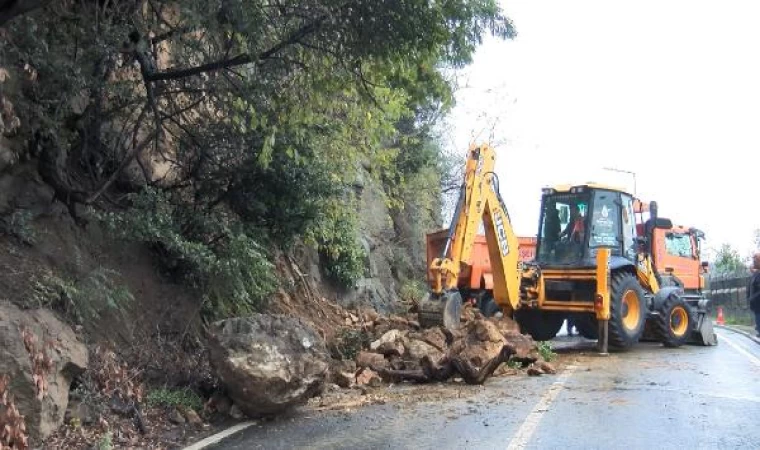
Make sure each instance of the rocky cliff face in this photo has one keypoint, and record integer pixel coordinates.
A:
(394, 242)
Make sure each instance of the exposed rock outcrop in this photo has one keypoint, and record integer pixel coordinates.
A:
(41, 356)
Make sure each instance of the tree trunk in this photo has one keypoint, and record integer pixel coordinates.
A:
(448, 367)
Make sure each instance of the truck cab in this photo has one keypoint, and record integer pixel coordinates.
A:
(677, 257)
(576, 221)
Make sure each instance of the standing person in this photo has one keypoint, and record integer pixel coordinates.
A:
(753, 291)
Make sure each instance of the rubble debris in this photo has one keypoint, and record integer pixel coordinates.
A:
(402, 352)
(368, 377)
(343, 373)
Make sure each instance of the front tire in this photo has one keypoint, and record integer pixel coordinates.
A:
(628, 311)
(674, 322)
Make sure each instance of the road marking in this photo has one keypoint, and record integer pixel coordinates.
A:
(216, 438)
(754, 359)
(690, 392)
(529, 425)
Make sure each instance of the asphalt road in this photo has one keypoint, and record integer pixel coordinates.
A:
(650, 397)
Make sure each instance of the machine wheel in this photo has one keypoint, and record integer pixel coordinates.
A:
(628, 311)
(488, 306)
(650, 333)
(587, 325)
(541, 325)
(675, 322)
(444, 311)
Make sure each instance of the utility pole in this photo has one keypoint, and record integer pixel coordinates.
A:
(625, 171)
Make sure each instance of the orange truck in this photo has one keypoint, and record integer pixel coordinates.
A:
(477, 275)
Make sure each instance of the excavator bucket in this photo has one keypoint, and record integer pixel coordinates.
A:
(703, 332)
(443, 310)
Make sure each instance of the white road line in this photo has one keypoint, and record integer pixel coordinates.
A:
(754, 359)
(214, 439)
(529, 425)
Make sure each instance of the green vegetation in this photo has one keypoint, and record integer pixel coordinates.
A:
(19, 225)
(216, 131)
(546, 351)
(83, 300)
(412, 291)
(348, 342)
(106, 441)
(739, 319)
(182, 398)
(728, 262)
(211, 252)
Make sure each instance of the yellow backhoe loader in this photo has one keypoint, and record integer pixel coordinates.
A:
(594, 262)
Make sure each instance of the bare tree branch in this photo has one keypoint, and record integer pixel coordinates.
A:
(239, 60)
(124, 163)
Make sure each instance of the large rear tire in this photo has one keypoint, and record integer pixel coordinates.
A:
(540, 325)
(674, 323)
(628, 311)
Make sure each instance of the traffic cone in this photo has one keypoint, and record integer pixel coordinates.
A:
(721, 320)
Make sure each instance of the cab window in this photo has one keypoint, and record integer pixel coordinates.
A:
(677, 244)
(605, 222)
(629, 229)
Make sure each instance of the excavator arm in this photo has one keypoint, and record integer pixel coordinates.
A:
(479, 200)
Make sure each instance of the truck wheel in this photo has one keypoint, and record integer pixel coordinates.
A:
(540, 325)
(488, 306)
(674, 322)
(628, 311)
(587, 326)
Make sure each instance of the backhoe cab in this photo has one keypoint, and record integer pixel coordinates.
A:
(595, 262)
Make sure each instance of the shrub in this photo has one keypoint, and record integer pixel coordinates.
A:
(336, 236)
(82, 300)
(210, 251)
(412, 291)
(545, 349)
(176, 398)
(348, 342)
(19, 225)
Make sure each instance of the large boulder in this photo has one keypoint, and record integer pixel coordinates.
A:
(482, 342)
(41, 356)
(268, 362)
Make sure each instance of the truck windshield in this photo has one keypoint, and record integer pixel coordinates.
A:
(563, 228)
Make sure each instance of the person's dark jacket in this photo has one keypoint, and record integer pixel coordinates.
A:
(753, 292)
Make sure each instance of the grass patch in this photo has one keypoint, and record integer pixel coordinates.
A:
(546, 351)
(175, 398)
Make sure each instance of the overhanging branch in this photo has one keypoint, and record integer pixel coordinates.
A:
(239, 60)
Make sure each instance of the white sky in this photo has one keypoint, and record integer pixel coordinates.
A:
(641, 86)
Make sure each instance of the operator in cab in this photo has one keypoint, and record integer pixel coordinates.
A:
(575, 227)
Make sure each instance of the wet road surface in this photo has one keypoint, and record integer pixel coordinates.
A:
(651, 397)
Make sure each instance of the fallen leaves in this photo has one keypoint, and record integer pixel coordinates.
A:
(12, 428)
